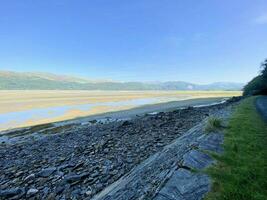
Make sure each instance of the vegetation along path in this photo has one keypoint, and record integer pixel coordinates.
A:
(242, 170)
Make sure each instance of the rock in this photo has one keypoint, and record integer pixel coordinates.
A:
(197, 160)
(89, 191)
(43, 181)
(126, 123)
(62, 159)
(184, 185)
(114, 172)
(106, 150)
(30, 177)
(129, 160)
(78, 165)
(51, 196)
(47, 172)
(99, 186)
(159, 144)
(212, 142)
(32, 192)
(45, 191)
(59, 174)
(75, 194)
(95, 174)
(74, 178)
(11, 192)
(18, 173)
(93, 121)
(59, 189)
(69, 165)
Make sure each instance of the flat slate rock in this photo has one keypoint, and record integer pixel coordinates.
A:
(47, 172)
(184, 185)
(197, 160)
(11, 192)
(211, 142)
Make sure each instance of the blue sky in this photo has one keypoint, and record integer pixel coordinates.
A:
(141, 40)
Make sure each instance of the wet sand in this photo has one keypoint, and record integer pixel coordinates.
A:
(20, 100)
(115, 113)
(101, 104)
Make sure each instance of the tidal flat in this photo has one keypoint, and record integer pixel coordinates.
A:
(21, 108)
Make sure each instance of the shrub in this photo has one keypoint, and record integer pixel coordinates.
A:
(213, 124)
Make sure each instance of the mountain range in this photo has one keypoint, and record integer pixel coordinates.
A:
(10, 80)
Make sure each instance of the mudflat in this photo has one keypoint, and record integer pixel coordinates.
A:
(19, 100)
(21, 108)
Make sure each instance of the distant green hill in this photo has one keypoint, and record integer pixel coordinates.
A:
(46, 81)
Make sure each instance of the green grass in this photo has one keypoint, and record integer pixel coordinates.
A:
(241, 172)
(213, 124)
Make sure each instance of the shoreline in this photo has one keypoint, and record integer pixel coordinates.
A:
(80, 160)
(125, 113)
(151, 108)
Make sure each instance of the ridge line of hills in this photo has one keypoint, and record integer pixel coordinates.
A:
(10, 80)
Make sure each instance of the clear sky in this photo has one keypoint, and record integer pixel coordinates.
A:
(200, 41)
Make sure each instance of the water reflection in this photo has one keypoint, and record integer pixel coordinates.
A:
(14, 119)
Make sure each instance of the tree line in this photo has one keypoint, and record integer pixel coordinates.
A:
(258, 85)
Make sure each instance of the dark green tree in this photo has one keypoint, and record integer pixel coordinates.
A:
(258, 85)
(264, 68)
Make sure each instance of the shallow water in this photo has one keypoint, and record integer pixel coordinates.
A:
(16, 119)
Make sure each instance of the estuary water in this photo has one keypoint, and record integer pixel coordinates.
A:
(33, 116)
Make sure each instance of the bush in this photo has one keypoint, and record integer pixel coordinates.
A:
(213, 124)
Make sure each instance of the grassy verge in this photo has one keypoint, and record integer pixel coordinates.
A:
(241, 172)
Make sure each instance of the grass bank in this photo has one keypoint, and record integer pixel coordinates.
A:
(241, 172)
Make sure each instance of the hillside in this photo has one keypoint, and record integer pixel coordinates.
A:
(46, 81)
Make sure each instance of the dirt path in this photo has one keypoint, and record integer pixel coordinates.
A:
(261, 104)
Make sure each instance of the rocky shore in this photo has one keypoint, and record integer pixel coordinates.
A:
(83, 160)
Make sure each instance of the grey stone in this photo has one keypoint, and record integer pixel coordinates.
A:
(68, 165)
(211, 142)
(95, 174)
(11, 192)
(184, 185)
(60, 189)
(99, 186)
(106, 150)
(126, 123)
(30, 177)
(32, 192)
(76, 193)
(197, 160)
(47, 172)
(89, 191)
(74, 178)
(45, 191)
